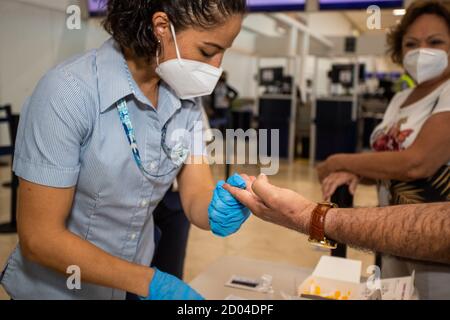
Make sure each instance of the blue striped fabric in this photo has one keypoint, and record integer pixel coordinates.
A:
(70, 135)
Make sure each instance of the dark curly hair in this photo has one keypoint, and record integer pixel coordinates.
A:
(130, 21)
(417, 9)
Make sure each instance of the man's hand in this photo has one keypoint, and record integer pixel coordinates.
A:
(270, 203)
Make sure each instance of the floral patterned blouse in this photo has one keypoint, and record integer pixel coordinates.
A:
(398, 131)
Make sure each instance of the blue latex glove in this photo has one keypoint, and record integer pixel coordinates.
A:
(167, 287)
(226, 214)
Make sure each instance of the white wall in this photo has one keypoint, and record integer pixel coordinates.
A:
(240, 64)
(241, 70)
(261, 24)
(329, 23)
(34, 38)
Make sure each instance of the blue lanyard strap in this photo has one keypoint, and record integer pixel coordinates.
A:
(129, 131)
(178, 155)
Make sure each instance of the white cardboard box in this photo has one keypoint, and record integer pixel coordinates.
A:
(340, 279)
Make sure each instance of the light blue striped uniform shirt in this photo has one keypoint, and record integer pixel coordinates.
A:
(70, 135)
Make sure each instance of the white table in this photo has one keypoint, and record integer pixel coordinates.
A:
(211, 283)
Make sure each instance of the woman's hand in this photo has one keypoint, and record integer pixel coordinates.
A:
(226, 214)
(322, 171)
(270, 203)
(167, 287)
(331, 165)
(326, 168)
(337, 179)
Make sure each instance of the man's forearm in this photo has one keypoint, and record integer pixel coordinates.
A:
(419, 232)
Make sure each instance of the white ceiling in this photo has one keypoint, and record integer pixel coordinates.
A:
(359, 20)
(59, 5)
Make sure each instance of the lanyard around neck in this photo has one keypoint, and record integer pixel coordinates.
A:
(178, 155)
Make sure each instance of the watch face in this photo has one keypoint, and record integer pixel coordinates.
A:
(323, 244)
(317, 245)
(329, 204)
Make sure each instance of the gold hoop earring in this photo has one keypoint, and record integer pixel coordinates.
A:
(159, 50)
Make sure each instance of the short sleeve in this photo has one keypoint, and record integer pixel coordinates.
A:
(444, 101)
(198, 131)
(52, 128)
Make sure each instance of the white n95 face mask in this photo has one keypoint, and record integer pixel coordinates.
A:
(425, 64)
(188, 78)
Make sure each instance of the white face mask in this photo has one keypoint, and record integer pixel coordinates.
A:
(188, 78)
(425, 64)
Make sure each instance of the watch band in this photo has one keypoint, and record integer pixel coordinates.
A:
(317, 227)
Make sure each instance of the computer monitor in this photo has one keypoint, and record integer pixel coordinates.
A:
(286, 86)
(344, 74)
(271, 76)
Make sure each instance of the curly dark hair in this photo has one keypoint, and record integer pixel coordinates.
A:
(417, 9)
(130, 21)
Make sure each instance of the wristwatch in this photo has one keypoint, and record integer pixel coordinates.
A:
(317, 227)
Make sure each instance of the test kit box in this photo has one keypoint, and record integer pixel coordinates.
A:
(340, 279)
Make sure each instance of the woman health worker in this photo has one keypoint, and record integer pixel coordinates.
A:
(95, 153)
